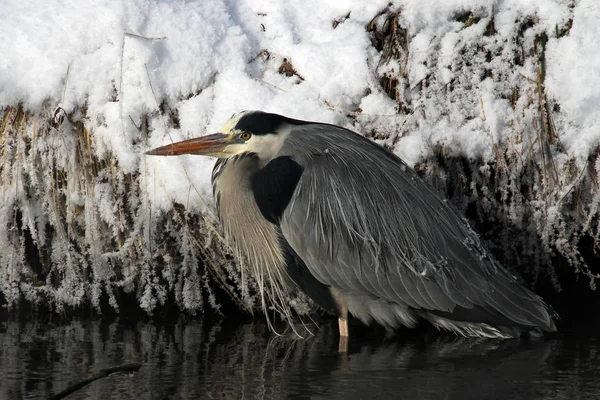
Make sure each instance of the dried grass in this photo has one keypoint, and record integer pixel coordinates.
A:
(77, 229)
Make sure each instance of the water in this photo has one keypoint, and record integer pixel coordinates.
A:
(192, 360)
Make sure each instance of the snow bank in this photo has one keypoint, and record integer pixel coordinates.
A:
(477, 80)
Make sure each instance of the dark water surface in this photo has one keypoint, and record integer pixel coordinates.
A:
(192, 360)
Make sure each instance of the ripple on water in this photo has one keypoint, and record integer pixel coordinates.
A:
(195, 360)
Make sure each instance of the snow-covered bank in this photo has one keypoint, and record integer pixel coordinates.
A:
(510, 88)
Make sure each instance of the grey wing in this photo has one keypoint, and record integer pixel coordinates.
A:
(365, 224)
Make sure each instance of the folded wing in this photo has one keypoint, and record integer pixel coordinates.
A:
(365, 223)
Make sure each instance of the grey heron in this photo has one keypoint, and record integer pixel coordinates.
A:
(323, 209)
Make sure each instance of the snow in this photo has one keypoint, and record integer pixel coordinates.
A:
(572, 79)
(201, 58)
(115, 64)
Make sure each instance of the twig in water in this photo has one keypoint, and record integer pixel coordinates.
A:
(125, 368)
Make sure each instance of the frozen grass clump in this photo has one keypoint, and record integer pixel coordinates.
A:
(483, 125)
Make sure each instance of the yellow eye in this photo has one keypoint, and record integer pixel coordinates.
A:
(245, 135)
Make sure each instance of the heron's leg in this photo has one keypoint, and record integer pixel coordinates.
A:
(342, 310)
(343, 345)
(343, 322)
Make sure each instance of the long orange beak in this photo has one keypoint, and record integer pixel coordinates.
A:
(210, 145)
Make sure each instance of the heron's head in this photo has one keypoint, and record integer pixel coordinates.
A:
(246, 132)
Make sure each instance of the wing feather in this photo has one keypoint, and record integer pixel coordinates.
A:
(408, 291)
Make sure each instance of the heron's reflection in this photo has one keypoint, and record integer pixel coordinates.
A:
(194, 359)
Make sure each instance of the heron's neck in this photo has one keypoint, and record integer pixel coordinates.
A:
(247, 164)
(250, 234)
